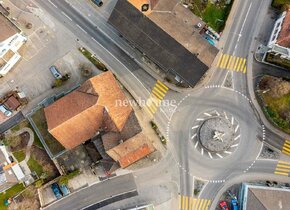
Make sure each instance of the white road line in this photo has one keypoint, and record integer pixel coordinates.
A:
(194, 127)
(81, 29)
(218, 114)
(193, 136)
(235, 145)
(209, 154)
(199, 119)
(52, 3)
(227, 152)
(66, 16)
(196, 144)
(226, 115)
(237, 137)
(201, 151)
(219, 155)
(237, 128)
(245, 18)
(207, 114)
(232, 120)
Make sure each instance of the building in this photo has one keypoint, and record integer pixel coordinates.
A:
(95, 112)
(264, 198)
(279, 43)
(11, 40)
(10, 171)
(175, 46)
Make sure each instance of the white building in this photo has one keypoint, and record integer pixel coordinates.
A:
(11, 39)
(279, 42)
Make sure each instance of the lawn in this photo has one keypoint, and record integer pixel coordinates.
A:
(215, 15)
(278, 4)
(277, 108)
(19, 155)
(35, 166)
(39, 119)
(97, 63)
(13, 191)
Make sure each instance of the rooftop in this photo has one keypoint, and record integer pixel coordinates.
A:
(159, 46)
(131, 150)
(78, 116)
(266, 198)
(284, 35)
(8, 28)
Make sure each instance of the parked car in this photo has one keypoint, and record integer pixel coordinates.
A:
(234, 204)
(55, 72)
(99, 3)
(56, 190)
(224, 205)
(65, 191)
(5, 110)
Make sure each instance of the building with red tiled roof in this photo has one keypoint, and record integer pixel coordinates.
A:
(279, 42)
(94, 112)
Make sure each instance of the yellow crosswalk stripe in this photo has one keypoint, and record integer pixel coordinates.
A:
(224, 64)
(161, 93)
(161, 88)
(284, 162)
(281, 173)
(196, 204)
(222, 58)
(147, 109)
(219, 60)
(157, 94)
(183, 202)
(229, 63)
(193, 204)
(236, 64)
(286, 148)
(201, 204)
(283, 166)
(179, 202)
(282, 169)
(240, 64)
(186, 203)
(245, 69)
(243, 64)
(164, 86)
(286, 153)
(208, 204)
(233, 63)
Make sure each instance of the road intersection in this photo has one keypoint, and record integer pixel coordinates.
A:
(178, 124)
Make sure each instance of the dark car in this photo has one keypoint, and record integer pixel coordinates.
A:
(55, 72)
(56, 190)
(65, 191)
(99, 3)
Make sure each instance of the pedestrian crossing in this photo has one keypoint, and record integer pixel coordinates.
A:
(190, 203)
(282, 168)
(286, 148)
(232, 63)
(156, 96)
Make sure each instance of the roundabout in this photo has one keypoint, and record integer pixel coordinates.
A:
(215, 138)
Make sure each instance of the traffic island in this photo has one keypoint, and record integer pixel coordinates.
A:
(216, 134)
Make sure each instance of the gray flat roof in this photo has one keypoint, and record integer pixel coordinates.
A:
(160, 47)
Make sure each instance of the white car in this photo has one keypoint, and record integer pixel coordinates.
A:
(5, 111)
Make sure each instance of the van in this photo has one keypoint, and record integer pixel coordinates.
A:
(5, 110)
(55, 72)
(99, 3)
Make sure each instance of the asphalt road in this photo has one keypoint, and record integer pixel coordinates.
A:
(98, 194)
(191, 164)
(11, 122)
